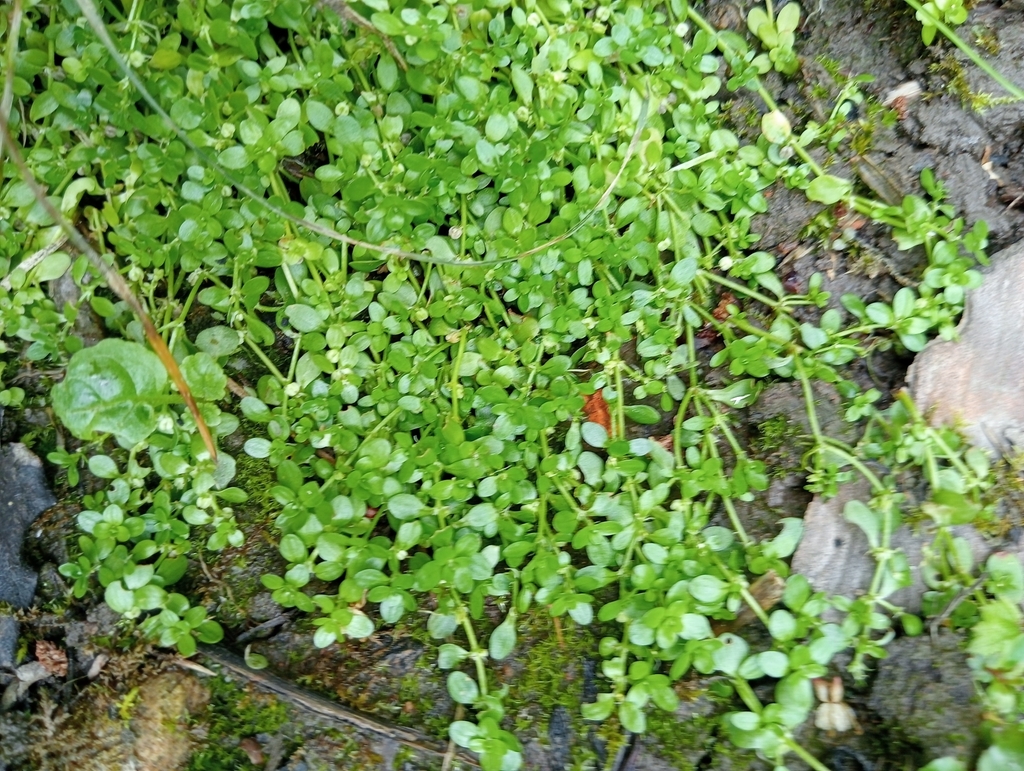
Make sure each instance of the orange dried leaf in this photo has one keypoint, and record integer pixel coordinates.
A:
(721, 311)
(596, 410)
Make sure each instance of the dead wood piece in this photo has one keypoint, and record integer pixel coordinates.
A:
(318, 705)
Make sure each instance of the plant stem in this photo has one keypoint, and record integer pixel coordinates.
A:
(805, 756)
(455, 385)
(971, 54)
(474, 646)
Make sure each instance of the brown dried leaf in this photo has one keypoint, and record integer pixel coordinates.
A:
(252, 748)
(53, 659)
(721, 311)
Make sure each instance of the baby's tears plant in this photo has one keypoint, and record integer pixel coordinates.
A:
(521, 421)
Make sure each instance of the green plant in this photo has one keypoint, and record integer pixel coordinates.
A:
(489, 275)
(952, 12)
(137, 533)
(776, 33)
(936, 16)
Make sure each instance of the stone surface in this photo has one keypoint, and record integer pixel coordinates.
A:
(834, 554)
(23, 496)
(95, 737)
(925, 693)
(8, 641)
(977, 382)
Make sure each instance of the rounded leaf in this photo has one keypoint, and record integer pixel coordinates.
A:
(292, 548)
(828, 189)
(462, 688)
(503, 638)
(775, 127)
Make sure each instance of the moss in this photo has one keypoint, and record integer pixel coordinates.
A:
(957, 85)
(696, 741)
(256, 477)
(551, 675)
(986, 39)
(546, 673)
(419, 701)
(678, 743)
(239, 570)
(1006, 496)
(775, 433)
(233, 714)
(333, 749)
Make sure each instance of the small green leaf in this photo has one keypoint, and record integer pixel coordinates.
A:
(52, 267)
(782, 625)
(775, 127)
(788, 18)
(303, 317)
(219, 341)
(594, 434)
(503, 638)
(462, 688)
(745, 721)
(119, 599)
(866, 519)
(463, 732)
(255, 660)
(632, 717)
(234, 158)
(730, 655)
(204, 376)
(641, 413)
(441, 625)
(103, 466)
(708, 589)
(292, 548)
(599, 710)
(360, 627)
(828, 189)
(450, 655)
(405, 506)
(773, 663)
(685, 271)
(945, 764)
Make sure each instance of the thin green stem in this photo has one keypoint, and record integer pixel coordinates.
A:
(753, 294)
(271, 367)
(477, 653)
(620, 402)
(804, 755)
(971, 54)
(455, 384)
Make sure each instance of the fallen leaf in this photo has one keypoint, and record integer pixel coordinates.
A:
(252, 748)
(53, 659)
(721, 311)
(596, 410)
(193, 666)
(97, 665)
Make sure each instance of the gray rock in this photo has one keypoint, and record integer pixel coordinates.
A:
(787, 399)
(8, 642)
(23, 496)
(946, 126)
(560, 737)
(977, 382)
(834, 554)
(924, 691)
